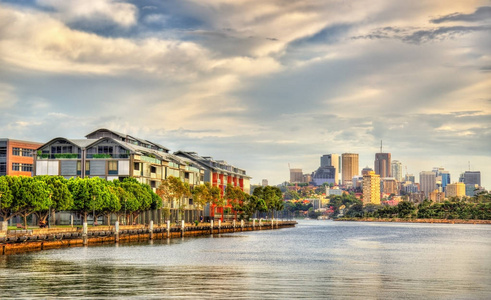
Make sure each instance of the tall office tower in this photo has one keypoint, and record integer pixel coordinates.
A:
(382, 164)
(427, 182)
(264, 182)
(296, 176)
(442, 177)
(410, 177)
(349, 167)
(331, 160)
(371, 188)
(472, 177)
(396, 167)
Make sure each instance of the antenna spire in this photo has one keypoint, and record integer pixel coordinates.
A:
(381, 146)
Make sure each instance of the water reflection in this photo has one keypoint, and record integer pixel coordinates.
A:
(314, 261)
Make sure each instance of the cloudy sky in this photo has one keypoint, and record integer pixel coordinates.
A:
(260, 84)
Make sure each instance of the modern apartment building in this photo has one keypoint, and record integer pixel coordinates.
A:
(371, 188)
(389, 186)
(456, 189)
(219, 173)
(396, 169)
(350, 167)
(427, 182)
(112, 155)
(17, 157)
(296, 176)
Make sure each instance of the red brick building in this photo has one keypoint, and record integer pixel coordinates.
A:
(16, 157)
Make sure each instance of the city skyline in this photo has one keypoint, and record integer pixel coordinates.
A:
(259, 85)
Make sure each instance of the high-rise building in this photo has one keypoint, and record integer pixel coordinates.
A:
(396, 169)
(442, 178)
(410, 177)
(323, 175)
(427, 182)
(296, 176)
(371, 188)
(331, 160)
(389, 186)
(17, 157)
(383, 164)
(455, 190)
(472, 177)
(264, 182)
(349, 167)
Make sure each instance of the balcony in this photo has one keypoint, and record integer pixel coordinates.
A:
(106, 156)
(58, 156)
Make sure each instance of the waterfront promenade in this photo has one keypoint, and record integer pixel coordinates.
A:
(19, 241)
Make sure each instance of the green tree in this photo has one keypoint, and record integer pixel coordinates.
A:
(87, 195)
(61, 198)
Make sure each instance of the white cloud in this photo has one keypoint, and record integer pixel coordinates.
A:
(121, 13)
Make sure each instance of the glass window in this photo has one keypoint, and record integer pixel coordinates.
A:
(16, 151)
(15, 167)
(3, 151)
(26, 167)
(137, 167)
(105, 150)
(27, 152)
(3, 168)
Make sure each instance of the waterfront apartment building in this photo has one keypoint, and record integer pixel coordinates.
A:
(396, 169)
(371, 188)
(17, 157)
(427, 182)
(383, 164)
(350, 167)
(296, 176)
(456, 189)
(220, 174)
(332, 160)
(112, 155)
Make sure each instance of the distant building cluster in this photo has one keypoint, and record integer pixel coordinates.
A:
(386, 179)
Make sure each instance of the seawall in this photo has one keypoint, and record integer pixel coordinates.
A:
(19, 241)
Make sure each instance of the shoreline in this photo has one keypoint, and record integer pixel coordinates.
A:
(44, 239)
(431, 221)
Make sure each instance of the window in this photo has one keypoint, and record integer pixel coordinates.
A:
(16, 151)
(112, 167)
(105, 149)
(3, 152)
(137, 166)
(3, 168)
(79, 167)
(27, 152)
(87, 168)
(152, 184)
(153, 169)
(61, 149)
(15, 167)
(26, 167)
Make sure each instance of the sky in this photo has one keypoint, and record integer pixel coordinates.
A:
(263, 85)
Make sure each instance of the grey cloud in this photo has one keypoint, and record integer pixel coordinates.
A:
(483, 13)
(419, 36)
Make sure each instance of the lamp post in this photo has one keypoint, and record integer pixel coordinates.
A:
(1, 211)
(93, 210)
(49, 211)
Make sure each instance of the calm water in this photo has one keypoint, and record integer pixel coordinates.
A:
(317, 259)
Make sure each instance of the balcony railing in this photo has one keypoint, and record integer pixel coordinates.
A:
(106, 156)
(58, 156)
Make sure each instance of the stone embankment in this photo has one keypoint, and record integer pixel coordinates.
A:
(19, 241)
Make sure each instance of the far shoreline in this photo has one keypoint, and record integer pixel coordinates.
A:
(431, 221)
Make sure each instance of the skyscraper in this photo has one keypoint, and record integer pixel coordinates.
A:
(383, 164)
(472, 177)
(427, 182)
(371, 188)
(331, 160)
(396, 169)
(296, 176)
(349, 167)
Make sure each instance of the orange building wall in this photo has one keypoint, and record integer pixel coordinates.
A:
(20, 159)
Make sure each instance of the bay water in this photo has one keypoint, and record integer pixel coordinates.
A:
(314, 260)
